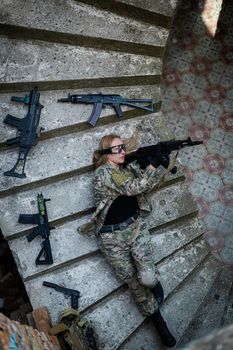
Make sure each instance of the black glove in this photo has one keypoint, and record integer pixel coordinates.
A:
(143, 162)
(155, 161)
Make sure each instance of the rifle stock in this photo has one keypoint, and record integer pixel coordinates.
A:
(42, 229)
(46, 252)
(27, 128)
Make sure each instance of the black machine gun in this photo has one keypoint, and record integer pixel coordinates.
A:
(74, 294)
(159, 154)
(27, 128)
(42, 229)
(100, 101)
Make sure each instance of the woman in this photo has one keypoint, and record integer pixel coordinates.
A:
(123, 235)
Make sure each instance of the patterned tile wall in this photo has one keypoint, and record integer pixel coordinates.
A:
(197, 95)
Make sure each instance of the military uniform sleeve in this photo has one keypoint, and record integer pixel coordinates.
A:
(132, 186)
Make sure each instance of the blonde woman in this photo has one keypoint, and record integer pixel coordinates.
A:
(123, 236)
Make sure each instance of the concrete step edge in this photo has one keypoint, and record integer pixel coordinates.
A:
(145, 319)
(130, 11)
(181, 341)
(85, 127)
(80, 214)
(228, 308)
(199, 314)
(80, 83)
(68, 263)
(24, 33)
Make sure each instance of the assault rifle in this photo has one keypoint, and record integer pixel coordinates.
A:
(75, 294)
(100, 101)
(27, 128)
(159, 154)
(42, 229)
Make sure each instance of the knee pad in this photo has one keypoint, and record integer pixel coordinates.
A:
(148, 278)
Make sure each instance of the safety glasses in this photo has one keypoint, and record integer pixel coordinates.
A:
(114, 149)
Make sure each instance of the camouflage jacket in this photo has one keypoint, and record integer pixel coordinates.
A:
(110, 182)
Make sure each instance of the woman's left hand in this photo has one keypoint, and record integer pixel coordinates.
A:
(172, 161)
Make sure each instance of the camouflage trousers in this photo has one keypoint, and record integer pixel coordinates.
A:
(131, 254)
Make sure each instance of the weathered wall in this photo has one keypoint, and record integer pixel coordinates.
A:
(197, 102)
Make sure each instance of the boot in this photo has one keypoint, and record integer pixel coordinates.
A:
(158, 293)
(161, 326)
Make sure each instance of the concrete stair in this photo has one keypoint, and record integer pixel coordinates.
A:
(86, 47)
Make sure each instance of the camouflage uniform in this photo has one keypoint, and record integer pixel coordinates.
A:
(130, 250)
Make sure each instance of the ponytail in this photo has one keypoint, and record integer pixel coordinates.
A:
(98, 158)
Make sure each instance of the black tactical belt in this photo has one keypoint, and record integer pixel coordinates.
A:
(122, 226)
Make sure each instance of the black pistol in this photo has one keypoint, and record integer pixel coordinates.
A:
(74, 294)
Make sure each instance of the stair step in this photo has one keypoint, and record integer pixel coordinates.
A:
(164, 7)
(169, 239)
(68, 246)
(59, 115)
(144, 338)
(182, 305)
(44, 61)
(176, 309)
(228, 314)
(79, 18)
(112, 316)
(98, 83)
(24, 33)
(171, 273)
(130, 11)
(93, 277)
(220, 339)
(209, 314)
(115, 320)
(67, 153)
(96, 279)
(65, 207)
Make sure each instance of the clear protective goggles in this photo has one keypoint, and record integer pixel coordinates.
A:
(114, 149)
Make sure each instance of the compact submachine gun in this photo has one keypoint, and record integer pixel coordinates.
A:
(27, 128)
(42, 229)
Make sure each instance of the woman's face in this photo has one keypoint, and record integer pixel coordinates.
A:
(117, 157)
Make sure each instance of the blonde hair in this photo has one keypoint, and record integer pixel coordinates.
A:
(98, 158)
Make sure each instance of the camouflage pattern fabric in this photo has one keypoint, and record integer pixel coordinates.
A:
(131, 254)
(129, 251)
(110, 182)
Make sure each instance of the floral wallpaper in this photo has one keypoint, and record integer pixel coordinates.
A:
(197, 101)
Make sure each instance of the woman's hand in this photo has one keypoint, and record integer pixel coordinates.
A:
(151, 167)
(172, 162)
